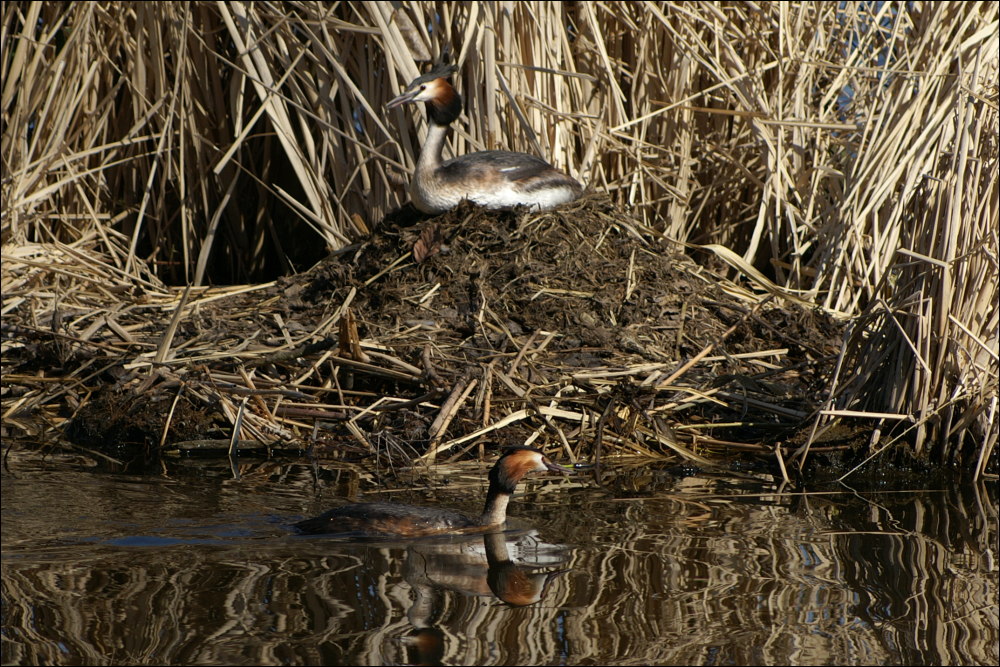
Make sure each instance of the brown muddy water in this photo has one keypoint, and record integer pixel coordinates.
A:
(650, 567)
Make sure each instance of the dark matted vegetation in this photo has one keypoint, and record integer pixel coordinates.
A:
(826, 162)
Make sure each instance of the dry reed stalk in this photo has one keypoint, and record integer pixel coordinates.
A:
(847, 150)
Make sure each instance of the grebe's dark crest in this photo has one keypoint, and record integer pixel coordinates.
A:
(494, 179)
(395, 520)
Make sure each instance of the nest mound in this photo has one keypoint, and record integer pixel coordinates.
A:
(577, 326)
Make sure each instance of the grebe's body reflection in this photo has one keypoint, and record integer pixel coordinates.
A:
(466, 568)
(516, 569)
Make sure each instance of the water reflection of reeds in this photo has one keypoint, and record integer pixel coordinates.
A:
(702, 573)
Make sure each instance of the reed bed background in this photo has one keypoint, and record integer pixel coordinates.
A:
(844, 154)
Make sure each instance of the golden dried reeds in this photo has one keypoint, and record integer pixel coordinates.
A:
(847, 152)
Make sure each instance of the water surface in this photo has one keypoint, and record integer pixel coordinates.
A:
(193, 566)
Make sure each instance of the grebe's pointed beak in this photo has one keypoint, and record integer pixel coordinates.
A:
(555, 467)
(402, 99)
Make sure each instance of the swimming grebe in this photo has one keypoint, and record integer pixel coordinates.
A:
(395, 520)
(494, 179)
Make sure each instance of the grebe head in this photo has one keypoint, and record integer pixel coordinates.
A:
(443, 104)
(517, 462)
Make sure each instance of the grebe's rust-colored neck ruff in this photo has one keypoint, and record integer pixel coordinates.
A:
(494, 179)
(395, 520)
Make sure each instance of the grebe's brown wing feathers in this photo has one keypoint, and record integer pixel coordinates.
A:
(515, 166)
(386, 519)
(527, 170)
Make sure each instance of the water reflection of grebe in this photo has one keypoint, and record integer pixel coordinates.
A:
(517, 585)
(395, 520)
(433, 567)
(469, 570)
